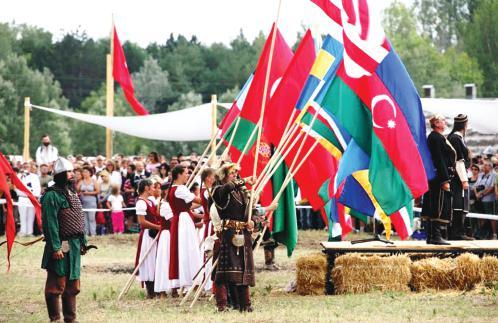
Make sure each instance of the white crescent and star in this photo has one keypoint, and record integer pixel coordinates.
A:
(391, 123)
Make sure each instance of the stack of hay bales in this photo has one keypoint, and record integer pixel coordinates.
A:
(461, 273)
(311, 271)
(489, 269)
(355, 274)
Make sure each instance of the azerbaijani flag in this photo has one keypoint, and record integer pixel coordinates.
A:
(374, 99)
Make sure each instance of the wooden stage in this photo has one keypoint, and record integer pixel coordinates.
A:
(411, 248)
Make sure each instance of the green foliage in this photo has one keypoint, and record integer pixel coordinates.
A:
(17, 81)
(481, 42)
(152, 86)
(448, 70)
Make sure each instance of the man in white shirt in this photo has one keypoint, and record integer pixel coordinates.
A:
(26, 209)
(46, 153)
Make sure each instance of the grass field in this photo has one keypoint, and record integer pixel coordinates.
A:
(106, 270)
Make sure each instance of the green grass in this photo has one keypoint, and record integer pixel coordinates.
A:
(104, 273)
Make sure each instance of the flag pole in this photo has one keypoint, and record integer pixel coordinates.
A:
(27, 110)
(263, 107)
(261, 185)
(214, 127)
(232, 136)
(289, 176)
(109, 94)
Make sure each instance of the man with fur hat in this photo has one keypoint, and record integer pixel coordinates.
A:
(235, 271)
(437, 201)
(460, 182)
(63, 228)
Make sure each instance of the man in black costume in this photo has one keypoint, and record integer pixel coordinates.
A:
(437, 203)
(460, 182)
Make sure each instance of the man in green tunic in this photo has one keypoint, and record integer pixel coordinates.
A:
(63, 228)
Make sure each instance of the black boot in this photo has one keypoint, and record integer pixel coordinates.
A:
(428, 231)
(149, 286)
(458, 230)
(270, 260)
(437, 239)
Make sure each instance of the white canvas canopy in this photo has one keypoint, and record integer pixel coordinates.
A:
(483, 114)
(194, 124)
(189, 124)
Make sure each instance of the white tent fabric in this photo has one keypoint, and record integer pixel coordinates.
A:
(483, 114)
(194, 124)
(189, 124)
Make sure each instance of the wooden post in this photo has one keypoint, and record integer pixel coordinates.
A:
(109, 96)
(27, 110)
(214, 127)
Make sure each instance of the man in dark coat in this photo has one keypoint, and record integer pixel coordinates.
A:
(460, 182)
(235, 270)
(437, 202)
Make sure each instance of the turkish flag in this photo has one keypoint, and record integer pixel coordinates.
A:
(122, 76)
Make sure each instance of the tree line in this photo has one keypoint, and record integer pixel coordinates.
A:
(444, 43)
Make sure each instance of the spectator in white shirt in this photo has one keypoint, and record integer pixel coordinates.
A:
(46, 153)
(26, 208)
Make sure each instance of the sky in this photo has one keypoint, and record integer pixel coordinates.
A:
(147, 21)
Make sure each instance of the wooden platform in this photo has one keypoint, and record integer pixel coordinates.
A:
(476, 246)
(411, 248)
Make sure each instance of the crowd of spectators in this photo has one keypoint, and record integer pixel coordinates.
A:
(108, 190)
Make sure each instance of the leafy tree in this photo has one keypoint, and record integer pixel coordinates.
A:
(481, 42)
(17, 81)
(152, 86)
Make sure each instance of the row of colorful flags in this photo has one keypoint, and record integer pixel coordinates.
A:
(353, 96)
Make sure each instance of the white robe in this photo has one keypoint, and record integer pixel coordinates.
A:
(147, 269)
(189, 255)
(162, 283)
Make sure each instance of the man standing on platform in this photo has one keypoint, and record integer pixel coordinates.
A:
(437, 203)
(63, 227)
(460, 182)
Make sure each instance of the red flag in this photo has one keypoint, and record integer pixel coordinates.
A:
(10, 226)
(283, 102)
(122, 76)
(251, 110)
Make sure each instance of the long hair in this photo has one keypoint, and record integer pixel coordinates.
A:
(176, 172)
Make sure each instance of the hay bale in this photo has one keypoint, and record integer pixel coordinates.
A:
(310, 274)
(489, 269)
(467, 272)
(432, 273)
(354, 273)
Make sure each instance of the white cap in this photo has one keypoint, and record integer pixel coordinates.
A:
(62, 165)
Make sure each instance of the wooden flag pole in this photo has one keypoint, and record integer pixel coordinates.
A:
(198, 293)
(109, 95)
(262, 180)
(214, 127)
(201, 168)
(27, 121)
(300, 146)
(246, 147)
(289, 176)
(132, 277)
(263, 107)
(284, 140)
